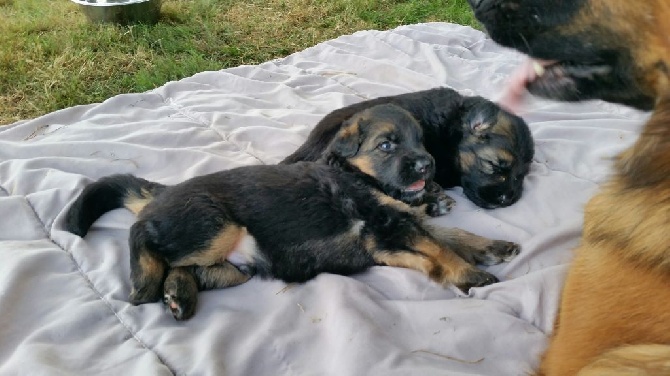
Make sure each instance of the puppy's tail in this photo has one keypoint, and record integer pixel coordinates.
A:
(109, 193)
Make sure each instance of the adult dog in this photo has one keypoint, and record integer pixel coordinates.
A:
(475, 143)
(614, 317)
(292, 221)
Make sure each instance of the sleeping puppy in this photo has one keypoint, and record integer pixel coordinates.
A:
(292, 222)
(614, 317)
(476, 144)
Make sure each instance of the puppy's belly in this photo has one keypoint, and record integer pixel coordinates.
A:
(245, 252)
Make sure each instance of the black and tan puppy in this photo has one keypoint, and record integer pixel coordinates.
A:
(292, 222)
(614, 317)
(475, 143)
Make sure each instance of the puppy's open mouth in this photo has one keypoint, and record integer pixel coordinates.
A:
(555, 79)
(417, 186)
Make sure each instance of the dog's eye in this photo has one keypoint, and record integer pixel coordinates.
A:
(386, 146)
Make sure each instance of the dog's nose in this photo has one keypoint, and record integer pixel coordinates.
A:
(507, 199)
(421, 165)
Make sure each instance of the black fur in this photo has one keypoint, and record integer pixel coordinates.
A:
(589, 63)
(97, 199)
(306, 218)
(448, 120)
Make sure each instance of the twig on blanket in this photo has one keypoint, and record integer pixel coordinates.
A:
(286, 288)
(39, 130)
(301, 308)
(449, 357)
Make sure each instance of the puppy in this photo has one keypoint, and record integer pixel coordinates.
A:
(614, 317)
(476, 144)
(292, 222)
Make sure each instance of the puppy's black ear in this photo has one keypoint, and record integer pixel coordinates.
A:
(480, 119)
(347, 141)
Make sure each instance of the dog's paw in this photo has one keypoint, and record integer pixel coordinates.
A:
(497, 252)
(476, 278)
(149, 293)
(439, 205)
(181, 306)
(180, 293)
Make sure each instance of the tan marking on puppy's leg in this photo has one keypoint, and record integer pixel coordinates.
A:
(456, 237)
(386, 200)
(136, 203)
(402, 259)
(473, 248)
(146, 276)
(449, 267)
(219, 276)
(218, 249)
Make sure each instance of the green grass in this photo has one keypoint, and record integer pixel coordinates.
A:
(51, 57)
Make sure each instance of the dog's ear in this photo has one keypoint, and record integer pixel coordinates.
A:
(348, 140)
(480, 118)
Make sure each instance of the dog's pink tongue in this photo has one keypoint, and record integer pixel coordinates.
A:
(417, 186)
(512, 95)
(515, 90)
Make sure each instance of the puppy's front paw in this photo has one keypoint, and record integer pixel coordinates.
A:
(476, 278)
(439, 204)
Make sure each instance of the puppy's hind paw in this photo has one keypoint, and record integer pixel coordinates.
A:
(498, 251)
(182, 308)
(180, 293)
(476, 278)
(506, 251)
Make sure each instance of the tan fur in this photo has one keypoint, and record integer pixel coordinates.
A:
(151, 265)
(467, 161)
(614, 317)
(503, 126)
(219, 248)
(419, 210)
(365, 164)
(351, 130)
(448, 267)
(626, 361)
(218, 276)
(640, 26)
(136, 203)
(439, 264)
(404, 260)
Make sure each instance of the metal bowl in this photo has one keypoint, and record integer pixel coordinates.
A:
(121, 11)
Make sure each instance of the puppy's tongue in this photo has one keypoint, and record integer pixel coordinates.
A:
(416, 186)
(512, 96)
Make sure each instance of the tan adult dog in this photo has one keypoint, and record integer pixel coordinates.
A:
(615, 310)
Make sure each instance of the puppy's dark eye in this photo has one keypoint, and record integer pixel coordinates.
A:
(387, 146)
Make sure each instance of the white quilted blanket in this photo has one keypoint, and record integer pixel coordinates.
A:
(63, 302)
